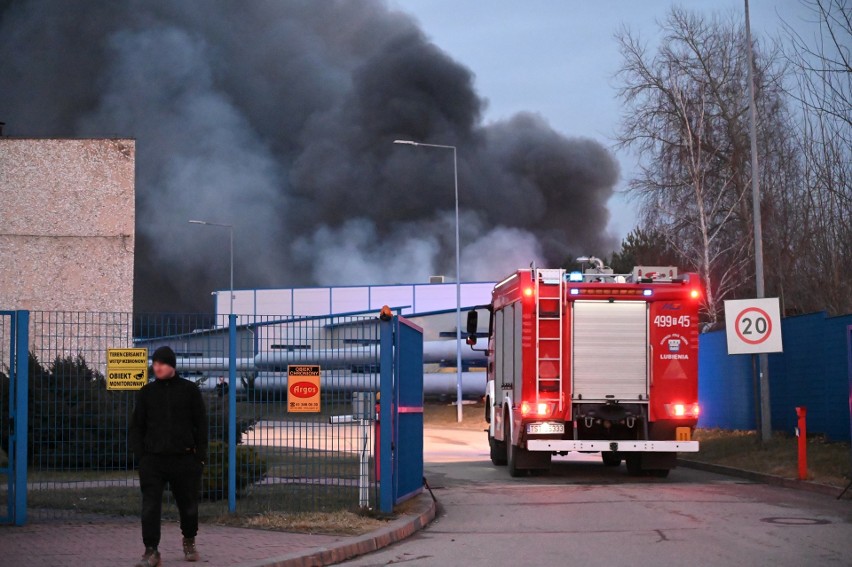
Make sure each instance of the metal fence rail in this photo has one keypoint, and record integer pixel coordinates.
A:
(5, 409)
(79, 457)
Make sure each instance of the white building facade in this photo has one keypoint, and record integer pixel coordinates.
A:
(406, 299)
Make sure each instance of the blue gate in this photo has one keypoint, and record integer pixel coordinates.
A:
(14, 362)
(401, 412)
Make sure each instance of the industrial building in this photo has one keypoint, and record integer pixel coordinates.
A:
(315, 301)
(335, 327)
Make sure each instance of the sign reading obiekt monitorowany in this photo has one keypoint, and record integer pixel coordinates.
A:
(127, 368)
(753, 326)
(303, 388)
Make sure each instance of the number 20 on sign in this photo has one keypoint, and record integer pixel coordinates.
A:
(753, 326)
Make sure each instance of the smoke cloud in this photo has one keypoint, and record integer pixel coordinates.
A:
(279, 117)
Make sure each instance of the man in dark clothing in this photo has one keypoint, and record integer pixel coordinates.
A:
(168, 435)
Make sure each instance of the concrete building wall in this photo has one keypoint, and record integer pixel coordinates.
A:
(67, 214)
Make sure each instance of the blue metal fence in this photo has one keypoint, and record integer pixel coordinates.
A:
(14, 329)
(262, 457)
(725, 385)
(812, 371)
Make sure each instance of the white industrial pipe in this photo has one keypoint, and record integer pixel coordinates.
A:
(327, 358)
(331, 359)
(214, 364)
(335, 363)
(444, 384)
(434, 383)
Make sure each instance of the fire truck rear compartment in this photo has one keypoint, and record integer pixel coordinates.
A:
(610, 351)
(611, 421)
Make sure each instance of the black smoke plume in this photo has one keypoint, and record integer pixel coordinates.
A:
(279, 117)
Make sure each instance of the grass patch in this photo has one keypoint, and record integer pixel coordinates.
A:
(79, 476)
(828, 463)
(446, 415)
(112, 500)
(277, 410)
(256, 499)
(341, 522)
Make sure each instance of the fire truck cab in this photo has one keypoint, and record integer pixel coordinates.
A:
(592, 361)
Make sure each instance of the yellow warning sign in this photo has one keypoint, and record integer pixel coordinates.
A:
(303, 388)
(127, 368)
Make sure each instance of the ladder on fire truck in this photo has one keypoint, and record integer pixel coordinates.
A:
(550, 293)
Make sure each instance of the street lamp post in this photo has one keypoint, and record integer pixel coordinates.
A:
(230, 228)
(232, 377)
(458, 271)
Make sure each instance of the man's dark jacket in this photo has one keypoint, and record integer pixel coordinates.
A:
(169, 419)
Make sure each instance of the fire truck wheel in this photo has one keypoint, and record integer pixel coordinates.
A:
(511, 452)
(611, 458)
(544, 465)
(498, 451)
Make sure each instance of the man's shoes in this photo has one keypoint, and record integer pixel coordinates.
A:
(151, 558)
(190, 553)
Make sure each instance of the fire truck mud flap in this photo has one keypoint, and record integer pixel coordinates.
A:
(556, 445)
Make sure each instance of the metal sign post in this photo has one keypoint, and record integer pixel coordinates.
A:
(753, 326)
(766, 422)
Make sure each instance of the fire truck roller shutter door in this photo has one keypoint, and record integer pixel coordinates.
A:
(610, 350)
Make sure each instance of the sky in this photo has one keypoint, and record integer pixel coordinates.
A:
(558, 58)
(297, 103)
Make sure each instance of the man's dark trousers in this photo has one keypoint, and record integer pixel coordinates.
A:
(183, 473)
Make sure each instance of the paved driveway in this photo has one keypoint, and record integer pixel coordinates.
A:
(585, 514)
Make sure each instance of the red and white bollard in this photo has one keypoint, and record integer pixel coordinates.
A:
(802, 434)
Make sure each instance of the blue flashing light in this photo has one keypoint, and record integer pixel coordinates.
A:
(575, 277)
(647, 292)
(574, 291)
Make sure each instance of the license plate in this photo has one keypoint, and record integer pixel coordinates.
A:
(545, 428)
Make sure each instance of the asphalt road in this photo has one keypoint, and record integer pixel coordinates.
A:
(586, 514)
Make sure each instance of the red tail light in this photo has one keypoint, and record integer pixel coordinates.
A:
(541, 409)
(683, 410)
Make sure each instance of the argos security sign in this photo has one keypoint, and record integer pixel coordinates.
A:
(753, 326)
(303, 388)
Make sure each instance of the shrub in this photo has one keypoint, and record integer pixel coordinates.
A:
(74, 422)
(251, 468)
(217, 418)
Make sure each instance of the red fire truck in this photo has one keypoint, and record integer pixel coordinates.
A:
(592, 362)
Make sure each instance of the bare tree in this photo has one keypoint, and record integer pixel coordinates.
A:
(823, 88)
(686, 112)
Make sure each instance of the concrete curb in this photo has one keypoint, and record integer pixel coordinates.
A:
(422, 514)
(764, 478)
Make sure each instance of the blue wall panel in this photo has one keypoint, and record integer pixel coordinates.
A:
(725, 385)
(812, 371)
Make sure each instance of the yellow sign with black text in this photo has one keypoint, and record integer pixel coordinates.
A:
(127, 368)
(303, 388)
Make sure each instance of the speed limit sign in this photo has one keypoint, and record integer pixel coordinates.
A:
(753, 326)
